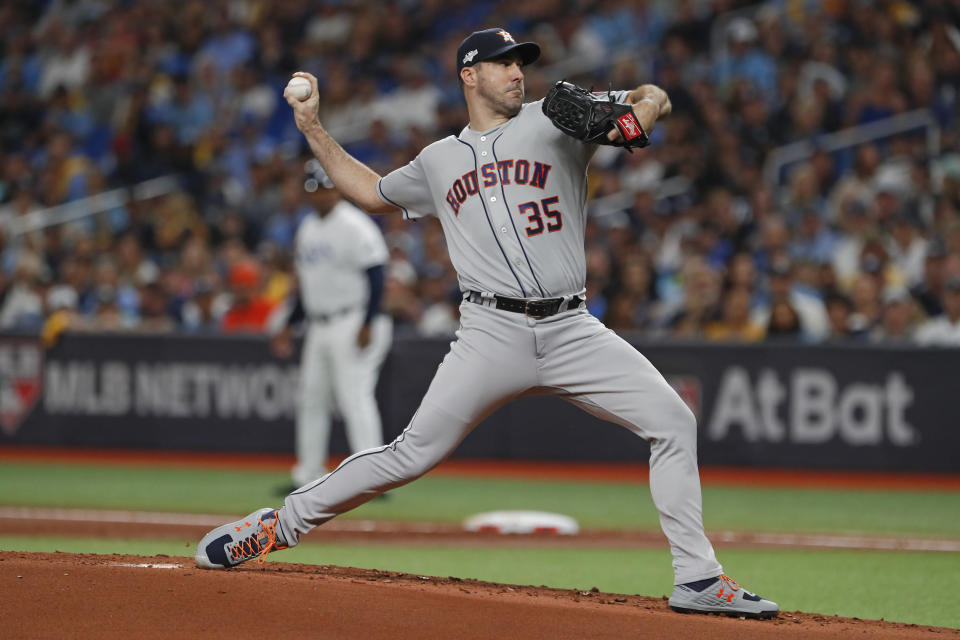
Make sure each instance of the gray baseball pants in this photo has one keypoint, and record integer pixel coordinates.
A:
(499, 356)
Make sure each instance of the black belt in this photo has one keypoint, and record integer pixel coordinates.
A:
(541, 308)
(327, 317)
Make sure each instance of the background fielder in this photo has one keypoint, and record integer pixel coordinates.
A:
(340, 258)
(510, 193)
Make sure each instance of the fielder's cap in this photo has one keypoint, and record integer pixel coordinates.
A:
(490, 43)
(315, 177)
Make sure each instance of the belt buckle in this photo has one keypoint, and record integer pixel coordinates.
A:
(528, 310)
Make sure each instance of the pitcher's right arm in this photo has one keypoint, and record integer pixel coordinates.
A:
(355, 180)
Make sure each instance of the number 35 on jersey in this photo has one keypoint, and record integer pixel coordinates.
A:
(542, 215)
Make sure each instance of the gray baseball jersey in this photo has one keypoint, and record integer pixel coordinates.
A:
(512, 202)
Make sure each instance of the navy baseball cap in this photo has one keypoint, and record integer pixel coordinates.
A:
(490, 43)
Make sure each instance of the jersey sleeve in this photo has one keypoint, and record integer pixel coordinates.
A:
(372, 249)
(407, 188)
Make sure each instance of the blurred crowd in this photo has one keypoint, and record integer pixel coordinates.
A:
(688, 239)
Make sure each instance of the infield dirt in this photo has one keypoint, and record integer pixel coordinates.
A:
(61, 595)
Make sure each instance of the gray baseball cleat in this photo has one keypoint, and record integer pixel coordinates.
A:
(720, 595)
(252, 537)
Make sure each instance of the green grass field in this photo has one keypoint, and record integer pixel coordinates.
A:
(901, 586)
(450, 499)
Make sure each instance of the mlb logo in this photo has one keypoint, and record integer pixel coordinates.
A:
(21, 367)
(688, 388)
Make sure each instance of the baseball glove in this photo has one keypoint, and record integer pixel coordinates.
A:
(589, 116)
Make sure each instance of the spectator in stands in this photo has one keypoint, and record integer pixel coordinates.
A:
(122, 294)
(774, 243)
(131, 265)
(701, 300)
(61, 310)
(98, 95)
(249, 310)
(22, 307)
(203, 312)
(839, 310)
(857, 185)
(107, 317)
(945, 328)
(746, 62)
(154, 313)
(907, 248)
(440, 316)
(814, 241)
(930, 288)
(867, 308)
(875, 262)
(280, 225)
(898, 319)
(599, 275)
(854, 225)
(880, 96)
(400, 297)
(735, 325)
(635, 293)
(619, 314)
(808, 307)
(784, 323)
(742, 272)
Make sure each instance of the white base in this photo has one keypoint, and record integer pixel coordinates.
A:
(522, 522)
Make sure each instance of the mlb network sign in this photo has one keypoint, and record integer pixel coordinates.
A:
(113, 384)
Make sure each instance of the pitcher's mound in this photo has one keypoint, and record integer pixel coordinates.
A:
(55, 595)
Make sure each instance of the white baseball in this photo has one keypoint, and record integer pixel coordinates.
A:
(299, 88)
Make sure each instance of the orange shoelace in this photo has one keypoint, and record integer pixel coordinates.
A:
(260, 544)
(725, 582)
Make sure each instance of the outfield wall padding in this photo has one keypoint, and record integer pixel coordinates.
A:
(831, 407)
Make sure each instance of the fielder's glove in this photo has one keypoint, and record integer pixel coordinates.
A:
(589, 117)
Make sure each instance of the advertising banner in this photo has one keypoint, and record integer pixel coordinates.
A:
(762, 405)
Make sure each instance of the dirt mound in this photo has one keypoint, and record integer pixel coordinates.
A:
(57, 595)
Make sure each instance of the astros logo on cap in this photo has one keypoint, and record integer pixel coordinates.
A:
(506, 36)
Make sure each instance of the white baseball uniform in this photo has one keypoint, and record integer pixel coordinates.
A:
(332, 255)
(511, 201)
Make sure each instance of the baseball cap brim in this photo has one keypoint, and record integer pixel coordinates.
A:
(529, 52)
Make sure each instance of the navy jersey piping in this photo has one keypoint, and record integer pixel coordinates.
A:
(363, 454)
(406, 214)
(523, 292)
(493, 150)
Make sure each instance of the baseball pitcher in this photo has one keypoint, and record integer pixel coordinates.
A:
(510, 192)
